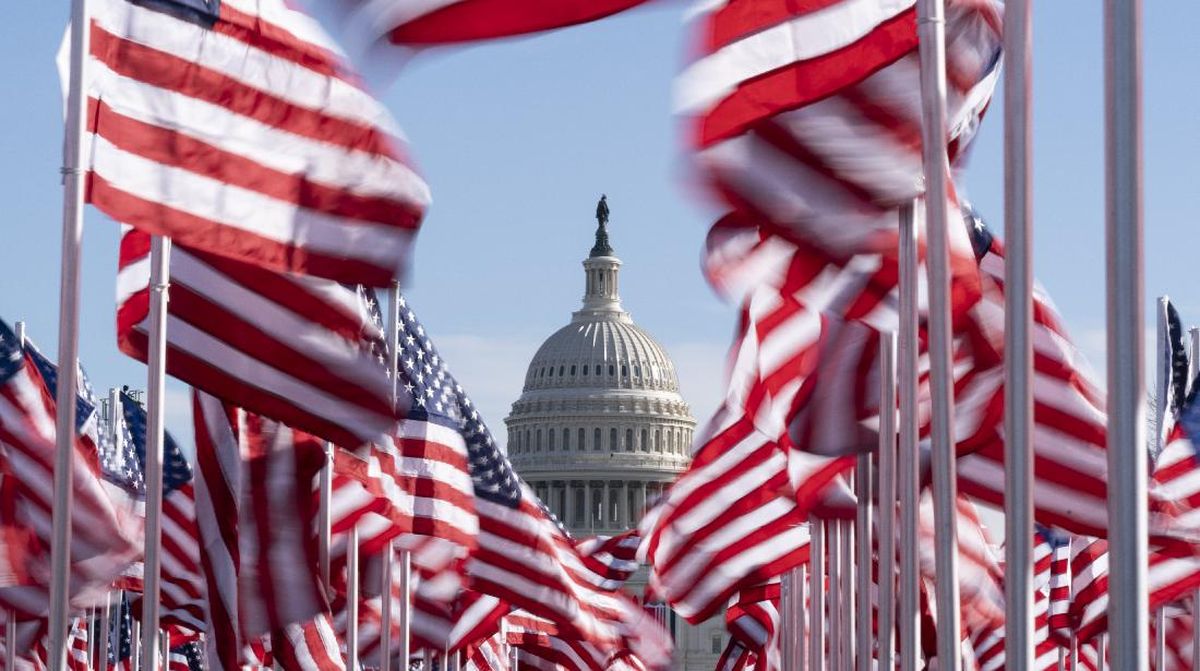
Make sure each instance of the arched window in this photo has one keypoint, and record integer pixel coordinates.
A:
(582, 446)
(624, 370)
(612, 370)
(597, 369)
(612, 440)
(658, 440)
(552, 371)
(526, 441)
(539, 440)
(645, 440)
(585, 371)
(670, 442)
(572, 370)
(566, 440)
(541, 372)
(628, 440)
(595, 440)
(551, 432)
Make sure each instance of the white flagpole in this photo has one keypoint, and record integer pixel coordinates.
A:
(833, 544)
(846, 593)
(787, 617)
(1193, 366)
(68, 335)
(1127, 523)
(908, 461)
(385, 619)
(799, 589)
(816, 599)
(1162, 386)
(104, 626)
(1160, 638)
(1018, 348)
(10, 629)
(135, 647)
(160, 278)
(352, 599)
(404, 565)
(324, 517)
(931, 29)
(886, 510)
(862, 563)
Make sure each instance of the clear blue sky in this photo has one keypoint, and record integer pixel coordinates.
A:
(518, 139)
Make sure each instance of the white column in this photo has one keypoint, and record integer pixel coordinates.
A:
(606, 513)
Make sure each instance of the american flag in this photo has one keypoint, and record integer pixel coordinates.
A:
(308, 646)
(522, 556)
(424, 22)
(183, 593)
(737, 657)
(120, 636)
(298, 349)
(753, 620)
(417, 477)
(77, 645)
(187, 657)
(236, 128)
(255, 511)
(1058, 581)
(102, 531)
(489, 654)
(808, 115)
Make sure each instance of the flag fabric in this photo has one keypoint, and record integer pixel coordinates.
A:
(807, 116)
(120, 636)
(489, 654)
(298, 349)
(77, 645)
(522, 556)
(103, 532)
(417, 476)
(255, 512)
(1057, 582)
(308, 646)
(187, 657)
(428, 22)
(236, 128)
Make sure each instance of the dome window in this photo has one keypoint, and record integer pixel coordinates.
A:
(612, 440)
(581, 446)
(572, 370)
(612, 370)
(526, 441)
(552, 371)
(645, 441)
(595, 440)
(624, 370)
(560, 371)
(566, 440)
(597, 369)
(585, 371)
(551, 447)
(539, 440)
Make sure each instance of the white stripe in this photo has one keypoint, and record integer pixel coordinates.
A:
(705, 82)
(240, 61)
(244, 210)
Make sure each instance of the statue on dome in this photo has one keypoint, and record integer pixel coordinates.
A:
(602, 248)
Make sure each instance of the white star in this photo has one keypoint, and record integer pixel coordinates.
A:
(420, 401)
(410, 340)
(420, 330)
(409, 387)
(403, 303)
(411, 317)
(408, 363)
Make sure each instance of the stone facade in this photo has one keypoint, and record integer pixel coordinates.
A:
(600, 430)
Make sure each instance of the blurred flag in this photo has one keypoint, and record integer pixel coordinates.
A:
(77, 645)
(255, 512)
(298, 349)
(807, 116)
(103, 533)
(308, 646)
(235, 128)
(187, 657)
(424, 22)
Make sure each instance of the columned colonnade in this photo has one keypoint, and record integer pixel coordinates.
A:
(585, 504)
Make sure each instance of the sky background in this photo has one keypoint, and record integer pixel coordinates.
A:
(518, 139)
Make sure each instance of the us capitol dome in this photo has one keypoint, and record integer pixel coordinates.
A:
(600, 428)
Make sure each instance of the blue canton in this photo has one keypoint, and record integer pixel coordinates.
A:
(1054, 539)
(11, 359)
(1189, 416)
(432, 394)
(120, 635)
(176, 471)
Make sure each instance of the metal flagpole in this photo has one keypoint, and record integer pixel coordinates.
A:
(68, 336)
(385, 619)
(1160, 638)
(833, 545)
(886, 510)
(135, 652)
(1162, 385)
(908, 461)
(104, 625)
(816, 599)
(404, 559)
(324, 518)
(846, 591)
(352, 598)
(1018, 348)
(160, 255)
(931, 29)
(799, 589)
(1127, 524)
(787, 617)
(10, 629)
(862, 536)
(1193, 366)
(1102, 649)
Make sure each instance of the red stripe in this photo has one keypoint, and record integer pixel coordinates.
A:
(194, 231)
(804, 82)
(174, 149)
(469, 20)
(739, 18)
(162, 70)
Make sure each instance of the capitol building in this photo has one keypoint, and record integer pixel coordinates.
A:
(600, 429)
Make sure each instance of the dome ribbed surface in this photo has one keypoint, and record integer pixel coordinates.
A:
(603, 353)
